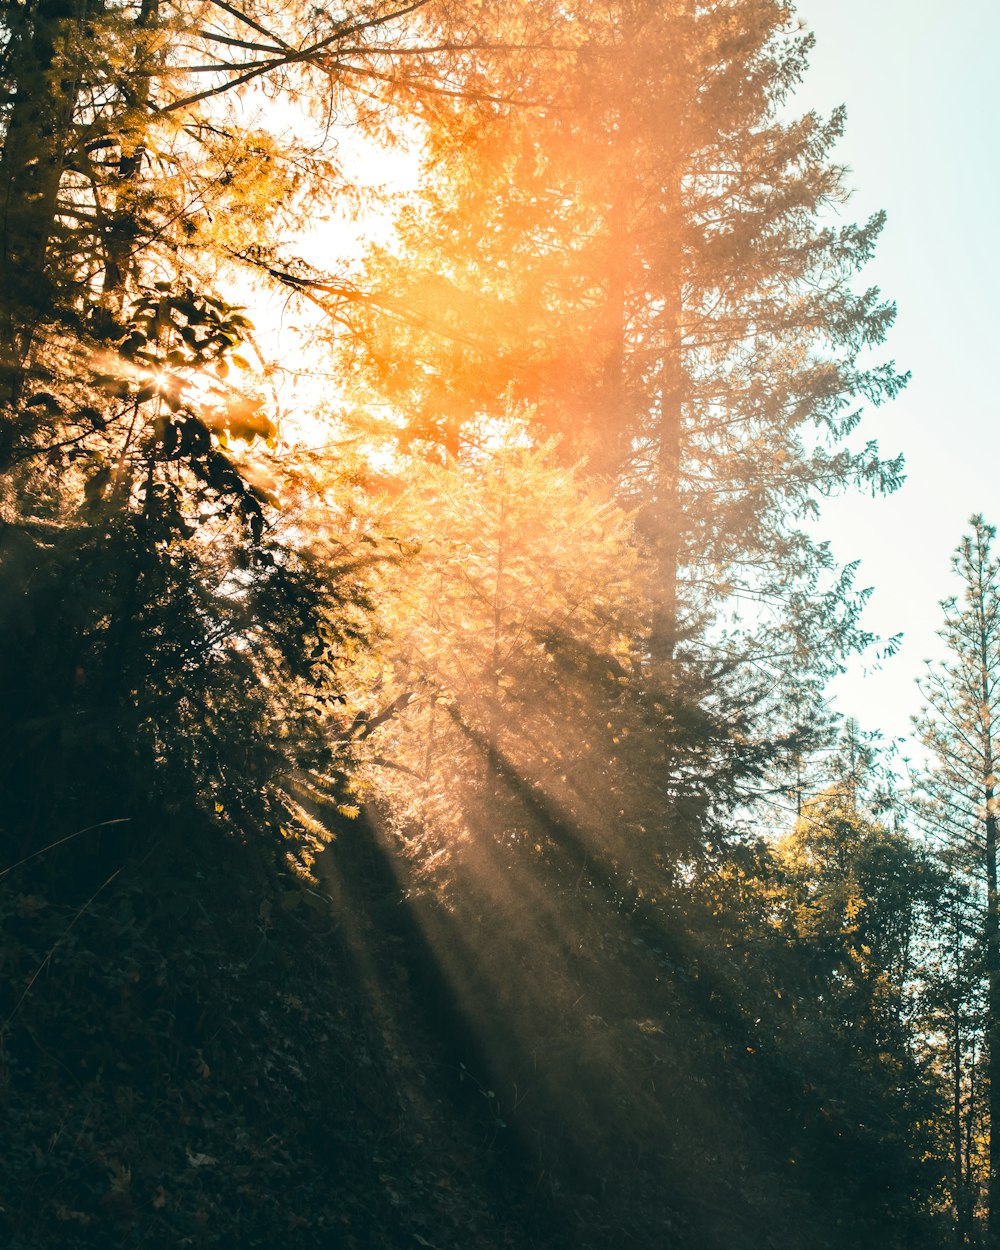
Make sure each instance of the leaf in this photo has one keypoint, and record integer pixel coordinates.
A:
(134, 343)
(44, 400)
(187, 306)
(245, 420)
(190, 337)
(195, 440)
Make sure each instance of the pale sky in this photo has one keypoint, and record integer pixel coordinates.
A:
(922, 90)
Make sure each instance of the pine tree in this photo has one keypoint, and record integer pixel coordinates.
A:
(959, 805)
(512, 628)
(953, 1018)
(648, 258)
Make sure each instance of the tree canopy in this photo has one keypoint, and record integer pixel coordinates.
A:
(422, 820)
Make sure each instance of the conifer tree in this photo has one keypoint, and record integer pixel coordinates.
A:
(512, 629)
(959, 803)
(648, 256)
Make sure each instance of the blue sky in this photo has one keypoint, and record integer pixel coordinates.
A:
(922, 91)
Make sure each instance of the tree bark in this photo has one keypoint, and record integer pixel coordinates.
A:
(668, 517)
(991, 927)
(122, 229)
(31, 167)
(992, 936)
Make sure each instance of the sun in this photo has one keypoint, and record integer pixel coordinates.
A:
(293, 336)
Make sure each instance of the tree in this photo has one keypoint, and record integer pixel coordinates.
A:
(855, 904)
(169, 652)
(127, 157)
(953, 1018)
(628, 993)
(519, 638)
(647, 258)
(855, 889)
(165, 656)
(134, 434)
(958, 787)
(512, 629)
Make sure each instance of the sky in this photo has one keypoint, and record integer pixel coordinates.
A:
(920, 82)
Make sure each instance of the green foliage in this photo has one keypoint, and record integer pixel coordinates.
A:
(859, 898)
(955, 801)
(142, 679)
(823, 940)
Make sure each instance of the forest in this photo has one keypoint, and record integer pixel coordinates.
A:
(424, 821)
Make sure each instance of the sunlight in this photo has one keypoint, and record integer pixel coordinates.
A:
(423, 820)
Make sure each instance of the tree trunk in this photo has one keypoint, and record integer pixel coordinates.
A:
(612, 420)
(968, 1205)
(668, 516)
(992, 936)
(31, 167)
(956, 1108)
(991, 929)
(493, 769)
(121, 230)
